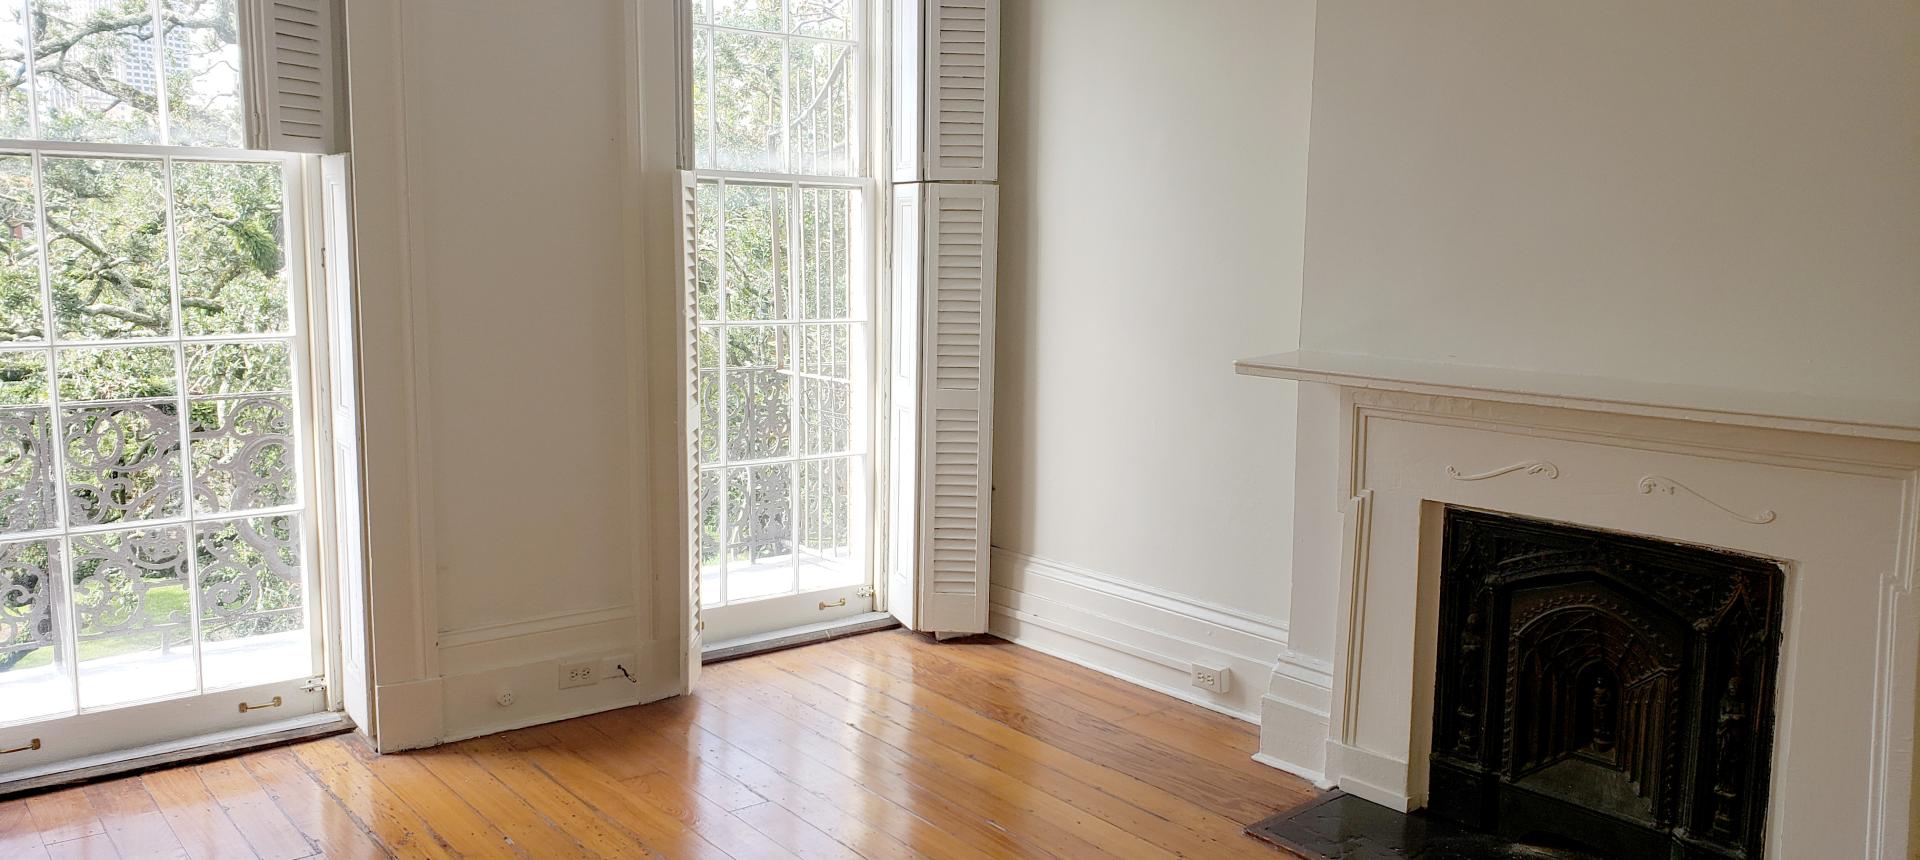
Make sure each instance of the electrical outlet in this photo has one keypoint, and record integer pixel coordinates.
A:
(1211, 677)
(578, 674)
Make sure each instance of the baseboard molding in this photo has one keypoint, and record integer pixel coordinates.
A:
(1142, 635)
(1294, 717)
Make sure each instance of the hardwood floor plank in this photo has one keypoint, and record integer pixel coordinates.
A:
(872, 825)
(378, 810)
(133, 822)
(310, 807)
(805, 840)
(253, 813)
(19, 835)
(572, 815)
(649, 823)
(537, 835)
(465, 830)
(194, 816)
(677, 759)
(93, 846)
(64, 815)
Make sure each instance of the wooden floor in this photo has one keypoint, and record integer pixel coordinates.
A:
(879, 746)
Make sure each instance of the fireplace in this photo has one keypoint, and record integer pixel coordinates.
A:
(1610, 691)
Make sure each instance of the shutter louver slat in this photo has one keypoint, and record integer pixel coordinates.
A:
(957, 366)
(292, 75)
(686, 253)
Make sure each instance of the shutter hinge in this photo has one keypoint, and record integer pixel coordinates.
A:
(315, 684)
(863, 591)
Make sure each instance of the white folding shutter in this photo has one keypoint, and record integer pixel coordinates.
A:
(354, 679)
(903, 391)
(960, 125)
(907, 59)
(686, 261)
(956, 406)
(293, 81)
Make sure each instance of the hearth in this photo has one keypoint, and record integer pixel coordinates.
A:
(1614, 690)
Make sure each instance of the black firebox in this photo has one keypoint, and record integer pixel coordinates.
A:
(1604, 691)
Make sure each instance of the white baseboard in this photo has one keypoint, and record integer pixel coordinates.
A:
(1294, 719)
(1142, 635)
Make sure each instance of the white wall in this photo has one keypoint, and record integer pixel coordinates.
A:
(495, 161)
(1718, 193)
(1153, 169)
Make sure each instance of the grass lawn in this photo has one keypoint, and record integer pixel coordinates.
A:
(163, 604)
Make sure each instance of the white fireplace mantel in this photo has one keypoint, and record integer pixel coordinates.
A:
(1884, 418)
(1830, 487)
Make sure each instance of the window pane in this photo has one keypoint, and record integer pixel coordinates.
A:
(826, 389)
(107, 233)
(756, 253)
(21, 317)
(702, 95)
(759, 364)
(826, 253)
(16, 105)
(28, 491)
(252, 614)
(821, 107)
(747, 71)
(707, 209)
(760, 522)
(708, 507)
(707, 394)
(238, 368)
(31, 681)
(95, 70)
(135, 621)
(243, 454)
(203, 72)
(829, 18)
(827, 528)
(751, 14)
(23, 377)
(232, 247)
(123, 462)
(117, 373)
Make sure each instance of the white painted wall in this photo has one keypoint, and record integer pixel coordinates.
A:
(496, 158)
(1153, 188)
(1719, 193)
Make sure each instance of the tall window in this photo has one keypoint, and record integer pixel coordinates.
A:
(153, 489)
(782, 297)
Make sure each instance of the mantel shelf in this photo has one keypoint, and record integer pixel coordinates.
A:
(1890, 418)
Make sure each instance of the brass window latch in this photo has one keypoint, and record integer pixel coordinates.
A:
(31, 746)
(244, 707)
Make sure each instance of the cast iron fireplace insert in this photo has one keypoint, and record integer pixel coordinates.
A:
(1611, 691)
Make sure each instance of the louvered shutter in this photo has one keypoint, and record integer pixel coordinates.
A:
(947, 90)
(294, 79)
(962, 113)
(956, 406)
(686, 262)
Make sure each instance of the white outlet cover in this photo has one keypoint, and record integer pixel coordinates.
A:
(581, 674)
